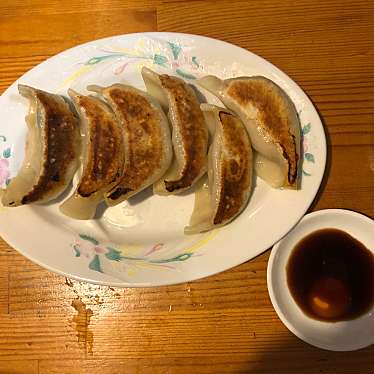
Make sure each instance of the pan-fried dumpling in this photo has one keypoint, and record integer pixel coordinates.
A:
(229, 172)
(189, 131)
(102, 158)
(52, 150)
(147, 139)
(271, 120)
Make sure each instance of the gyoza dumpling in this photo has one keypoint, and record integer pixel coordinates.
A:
(51, 153)
(271, 120)
(102, 159)
(147, 139)
(189, 131)
(229, 172)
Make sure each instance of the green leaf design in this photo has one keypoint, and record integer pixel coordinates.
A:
(194, 61)
(113, 254)
(306, 174)
(306, 129)
(185, 75)
(309, 157)
(77, 251)
(116, 255)
(89, 239)
(160, 59)
(175, 49)
(7, 181)
(7, 152)
(96, 60)
(95, 264)
(3, 138)
(181, 257)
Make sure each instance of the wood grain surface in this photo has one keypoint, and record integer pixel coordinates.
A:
(224, 323)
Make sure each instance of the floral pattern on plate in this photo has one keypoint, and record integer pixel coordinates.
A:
(95, 253)
(169, 55)
(6, 153)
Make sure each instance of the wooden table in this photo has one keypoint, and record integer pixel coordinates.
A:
(225, 323)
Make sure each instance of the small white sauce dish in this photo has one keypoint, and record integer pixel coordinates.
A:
(335, 336)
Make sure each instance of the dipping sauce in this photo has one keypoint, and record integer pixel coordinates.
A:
(330, 275)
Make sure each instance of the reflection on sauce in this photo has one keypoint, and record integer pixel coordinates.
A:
(331, 276)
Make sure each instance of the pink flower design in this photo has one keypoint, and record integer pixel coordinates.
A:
(4, 170)
(100, 250)
(305, 145)
(87, 249)
(120, 68)
(155, 248)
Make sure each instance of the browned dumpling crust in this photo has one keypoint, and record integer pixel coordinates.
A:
(147, 142)
(273, 116)
(103, 156)
(236, 168)
(52, 150)
(60, 151)
(105, 149)
(272, 122)
(225, 195)
(192, 129)
(189, 131)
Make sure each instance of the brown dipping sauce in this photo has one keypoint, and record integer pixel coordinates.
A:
(330, 275)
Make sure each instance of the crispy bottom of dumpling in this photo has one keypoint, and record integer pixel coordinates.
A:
(189, 132)
(271, 120)
(192, 131)
(273, 114)
(229, 173)
(52, 150)
(147, 139)
(102, 159)
(105, 153)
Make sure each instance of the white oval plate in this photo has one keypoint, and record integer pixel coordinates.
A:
(335, 336)
(141, 242)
